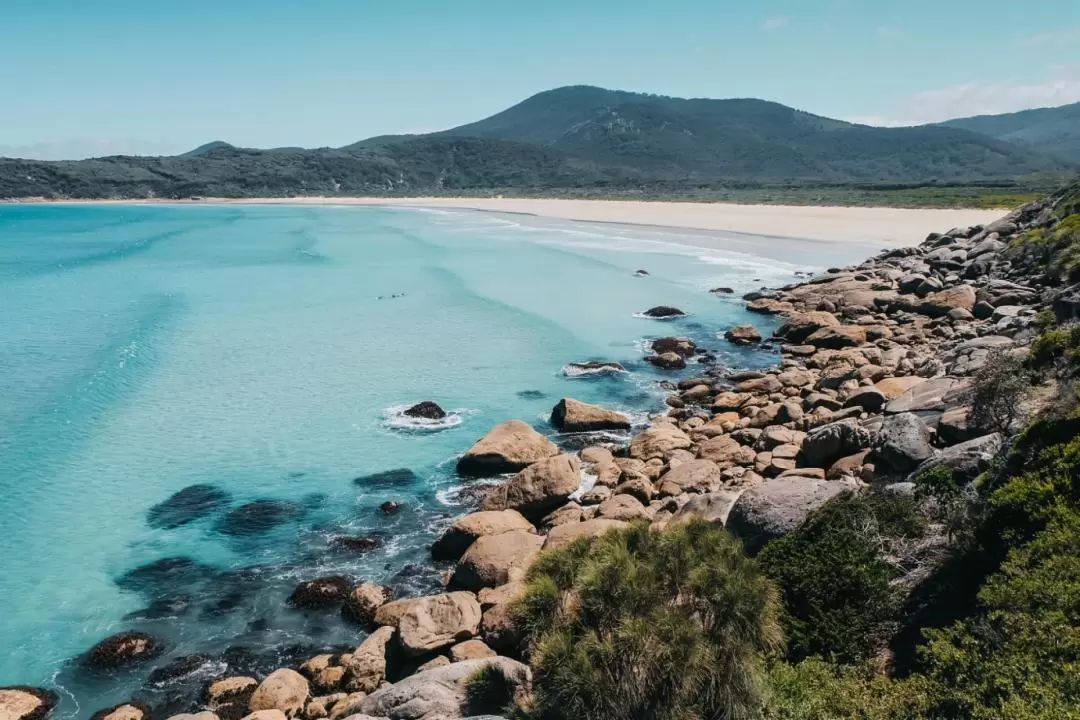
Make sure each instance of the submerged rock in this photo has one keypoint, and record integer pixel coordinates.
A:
(663, 311)
(354, 543)
(509, 447)
(179, 668)
(259, 517)
(124, 649)
(572, 415)
(19, 702)
(391, 507)
(426, 410)
(531, 394)
(186, 506)
(320, 593)
(722, 291)
(387, 478)
(166, 574)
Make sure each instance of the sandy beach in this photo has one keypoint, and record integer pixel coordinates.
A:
(864, 225)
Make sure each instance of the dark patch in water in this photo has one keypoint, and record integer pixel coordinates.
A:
(415, 580)
(162, 608)
(179, 668)
(315, 500)
(387, 479)
(258, 517)
(160, 576)
(531, 395)
(354, 543)
(186, 506)
(296, 474)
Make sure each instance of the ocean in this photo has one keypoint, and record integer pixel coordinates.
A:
(263, 354)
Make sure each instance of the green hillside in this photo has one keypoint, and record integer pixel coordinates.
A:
(1054, 131)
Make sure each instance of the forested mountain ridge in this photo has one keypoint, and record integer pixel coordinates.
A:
(1053, 131)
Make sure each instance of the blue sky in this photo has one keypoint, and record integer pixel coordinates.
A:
(85, 77)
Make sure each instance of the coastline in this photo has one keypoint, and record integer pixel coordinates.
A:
(834, 224)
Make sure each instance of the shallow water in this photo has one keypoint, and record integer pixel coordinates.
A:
(263, 351)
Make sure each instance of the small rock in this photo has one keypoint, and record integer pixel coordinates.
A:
(743, 335)
(663, 311)
(285, 690)
(426, 410)
(124, 649)
(572, 415)
(320, 593)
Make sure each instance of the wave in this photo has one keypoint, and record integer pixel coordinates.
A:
(394, 417)
(575, 370)
(642, 316)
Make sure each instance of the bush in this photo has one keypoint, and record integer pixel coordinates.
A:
(650, 625)
(818, 690)
(1057, 345)
(998, 391)
(836, 583)
(489, 691)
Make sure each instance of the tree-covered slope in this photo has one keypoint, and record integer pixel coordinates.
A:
(1054, 131)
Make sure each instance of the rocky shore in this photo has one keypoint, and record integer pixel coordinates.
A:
(872, 387)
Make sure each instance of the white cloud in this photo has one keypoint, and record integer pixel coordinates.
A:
(1060, 36)
(979, 98)
(775, 23)
(79, 149)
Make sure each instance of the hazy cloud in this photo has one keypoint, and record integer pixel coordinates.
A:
(775, 23)
(80, 149)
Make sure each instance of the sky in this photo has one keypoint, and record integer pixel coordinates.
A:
(82, 78)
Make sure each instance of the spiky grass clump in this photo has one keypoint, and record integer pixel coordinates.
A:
(642, 624)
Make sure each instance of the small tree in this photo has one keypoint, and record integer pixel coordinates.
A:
(646, 625)
(998, 392)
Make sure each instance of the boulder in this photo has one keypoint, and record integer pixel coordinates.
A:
(681, 346)
(391, 613)
(468, 529)
(365, 600)
(696, 476)
(778, 506)
(663, 312)
(939, 304)
(953, 426)
(902, 444)
(563, 535)
(441, 693)
(186, 506)
(967, 460)
(800, 326)
(437, 621)
(711, 507)
(470, 650)
(725, 450)
(838, 337)
(320, 593)
(19, 702)
(509, 447)
(124, 649)
(828, 443)
(667, 361)
(538, 489)
(868, 398)
(233, 691)
(207, 715)
(426, 410)
(285, 690)
(125, 711)
(894, 387)
(495, 560)
(743, 335)
(256, 518)
(925, 396)
(626, 508)
(575, 416)
(366, 667)
(657, 441)
(762, 386)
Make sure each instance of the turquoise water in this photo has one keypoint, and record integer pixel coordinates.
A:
(262, 351)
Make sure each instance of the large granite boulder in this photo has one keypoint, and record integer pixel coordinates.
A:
(365, 600)
(563, 535)
(508, 447)
(230, 696)
(437, 621)
(894, 387)
(495, 560)
(902, 444)
(926, 396)
(838, 337)
(714, 507)
(367, 666)
(681, 346)
(823, 445)
(285, 690)
(696, 476)
(967, 460)
(778, 506)
(19, 702)
(468, 529)
(441, 693)
(133, 710)
(743, 335)
(940, 303)
(572, 415)
(657, 441)
(538, 489)
(800, 326)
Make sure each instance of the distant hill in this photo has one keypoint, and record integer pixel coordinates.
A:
(564, 140)
(1054, 131)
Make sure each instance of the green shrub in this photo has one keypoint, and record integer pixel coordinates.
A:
(998, 390)
(836, 585)
(818, 690)
(640, 624)
(1060, 344)
(489, 692)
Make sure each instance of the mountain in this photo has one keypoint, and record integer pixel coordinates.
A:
(570, 139)
(1054, 131)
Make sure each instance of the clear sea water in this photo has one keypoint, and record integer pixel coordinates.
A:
(262, 350)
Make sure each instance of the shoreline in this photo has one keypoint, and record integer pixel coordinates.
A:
(833, 224)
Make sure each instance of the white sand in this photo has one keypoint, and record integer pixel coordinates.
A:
(864, 225)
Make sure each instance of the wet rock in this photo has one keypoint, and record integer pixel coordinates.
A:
(682, 346)
(20, 702)
(169, 607)
(391, 507)
(468, 529)
(320, 593)
(778, 506)
(743, 335)
(572, 415)
(508, 447)
(663, 311)
(179, 668)
(641, 273)
(902, 443)
(667, 361)
(186, 506)
(259, 517)
(398, 477)
(354, 543)
(123, 650)
(132, 710)
(437, 621)
(495, 560)
(285, 690)
(426, 410)
(230, 692)
(364, 601)
(563, 535)
(722, 291)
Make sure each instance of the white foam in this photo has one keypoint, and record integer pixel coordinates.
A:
(641, 315)
(394, 417)
(577, 372)
(588, 482)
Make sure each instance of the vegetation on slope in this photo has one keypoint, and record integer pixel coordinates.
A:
(1054, 131)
